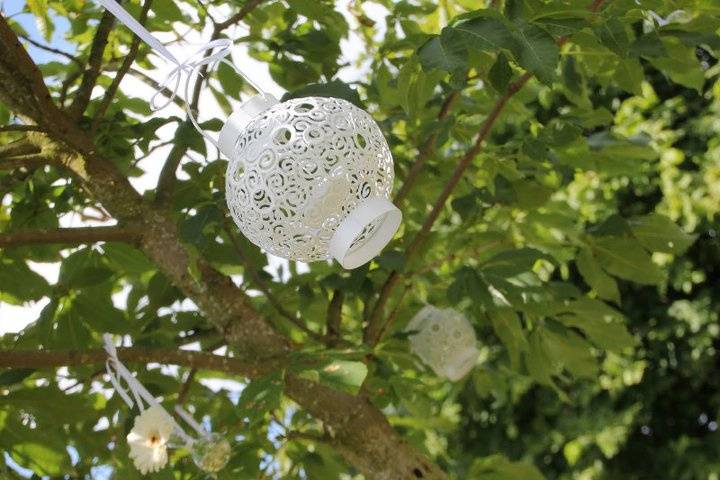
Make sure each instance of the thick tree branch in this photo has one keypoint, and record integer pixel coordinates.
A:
(362, 433)
(185, 358)
(82, 96)
(73, 236)
(122, 71)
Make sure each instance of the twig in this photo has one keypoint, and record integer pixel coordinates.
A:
(50, 49)
(70, 236)
(82, 96)
(251, 270)
(425, 151)
(334, 317)
(242, 13)
(185, 388)
(375, 324)
(30, 161)
(122, 71)
(21, 128)
(167, 180)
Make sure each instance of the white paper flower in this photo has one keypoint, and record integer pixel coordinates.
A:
(148, 439)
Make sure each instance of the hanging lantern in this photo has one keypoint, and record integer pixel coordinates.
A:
(310, 179)
(444, 340)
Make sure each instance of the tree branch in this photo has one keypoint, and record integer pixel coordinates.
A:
(376, 326)
(251, 270)
(185, 358)
(70, 236)
(375, 323)
(242, 13)
(47, 48)
(122, 71)
(82, 96)
(425, 151)
(168, 177)
(334, 317)
(29, 161)
(21, 128)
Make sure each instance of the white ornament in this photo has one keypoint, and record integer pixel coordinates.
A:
(310, 179)
(211, 453)
(148, 439)
(445, 341)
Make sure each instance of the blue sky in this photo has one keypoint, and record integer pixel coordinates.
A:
(15, 9)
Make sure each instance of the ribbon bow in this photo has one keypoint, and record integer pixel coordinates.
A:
(190, 67)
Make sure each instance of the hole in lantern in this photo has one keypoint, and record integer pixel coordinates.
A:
(360, 141)
(282, 136)
(435, 327)
(238, 172)
(304, 107)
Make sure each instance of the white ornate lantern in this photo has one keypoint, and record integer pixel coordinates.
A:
(445, 341)
(310, 179)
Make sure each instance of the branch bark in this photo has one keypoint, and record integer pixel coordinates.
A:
(73, 236)
(82, 97)
(185, 358)
(122, 71)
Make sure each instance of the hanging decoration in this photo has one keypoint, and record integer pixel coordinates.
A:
(308, 179)
(444, 339)
(155, 429)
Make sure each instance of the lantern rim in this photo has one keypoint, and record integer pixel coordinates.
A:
(240, 118)
(362, 217)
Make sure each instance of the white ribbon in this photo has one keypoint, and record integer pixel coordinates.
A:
(116, 370)
(190, 67)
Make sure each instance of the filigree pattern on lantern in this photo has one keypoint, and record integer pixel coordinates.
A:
(300, 168)
(444, 340)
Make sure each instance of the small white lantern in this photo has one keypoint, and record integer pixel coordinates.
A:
(445, 341)
(310, 179)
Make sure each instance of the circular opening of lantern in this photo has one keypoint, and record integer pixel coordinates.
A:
(310, 179)
(364, 232)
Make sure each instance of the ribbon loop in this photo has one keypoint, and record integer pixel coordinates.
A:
(190, 67)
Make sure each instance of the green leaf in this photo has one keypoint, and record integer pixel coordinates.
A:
(512, 262)
(629, 75)
(508, 328)
(613, 35)
(443, 52)
(593, 274)
(498, 467)
(626, 259)
(342, 375)
(335, 88)
(229, 79)
(569, 351)
(660, 234)
(500, 73)
(261, 396)
(41, 11)
(537, 51)
(19, 284)
(603, 325)
(485, 33)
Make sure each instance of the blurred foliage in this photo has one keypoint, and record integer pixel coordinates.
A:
(582, 242)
